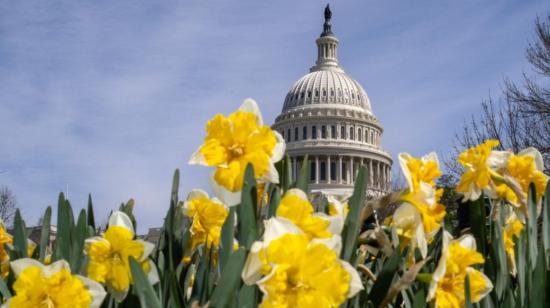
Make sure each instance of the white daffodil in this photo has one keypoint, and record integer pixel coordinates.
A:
(407, 224)
(232, 143)
(38, 285)
(109, 255)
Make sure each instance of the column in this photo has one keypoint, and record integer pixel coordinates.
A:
(378, 175)
(316, 169)
(328, 169)
(339, 169)
(293, 161)
(371, 174)
(351, 173)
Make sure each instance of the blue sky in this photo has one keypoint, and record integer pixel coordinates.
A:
(109, 97)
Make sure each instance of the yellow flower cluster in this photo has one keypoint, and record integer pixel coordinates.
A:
(296, 264)
(421, 215)
(501, 174)
(447, 287)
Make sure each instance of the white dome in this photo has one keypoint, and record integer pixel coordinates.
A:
(327, 86)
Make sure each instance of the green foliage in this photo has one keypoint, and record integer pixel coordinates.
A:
(212, 275)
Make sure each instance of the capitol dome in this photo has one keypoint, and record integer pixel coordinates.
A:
(327, 115)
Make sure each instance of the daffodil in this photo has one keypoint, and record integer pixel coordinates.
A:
(338, 212)
(232, 143)
(407, 224)
(7, 240)
(447, 287)
(482, 165)
(207, 215)
(512, 230)
(527, 167)
(294, 271)
(422, 194)
(296, 207)
(109, 255)
(51, 286)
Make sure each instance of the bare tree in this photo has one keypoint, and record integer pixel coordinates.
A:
(521, 117)
(8, 203)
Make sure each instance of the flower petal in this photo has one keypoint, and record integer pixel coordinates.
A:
(251, 270)
(197, 158)
(227, 197)
(279, 149)
(96, 290)
(530, 151)
(355, 283)
(441, 266)
(334, 243)
(20, 265)
(276, 227)
(250, 105)
(147, 249)
(467, 241)
(120, 219)
(153, 275)
(403, 158)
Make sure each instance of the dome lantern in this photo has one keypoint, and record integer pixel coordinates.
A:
(327, 44)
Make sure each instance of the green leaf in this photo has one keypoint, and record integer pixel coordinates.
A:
(79, 236)
(230, 280)
(498, 254)
(175, 186)
(532, 225)
(419, 300)
(227, 236)
(467, 295)
(385, 278)
(477, 223)
(352, 224)
(246, 210)
(546, 225)
(143, 288)
(19, 236)
(248, 297)
(91, 219)
(284, 167)
(45, 233)
(302, 182)
(64, 229)
(538, 287)
(521, 259)
(274, 200)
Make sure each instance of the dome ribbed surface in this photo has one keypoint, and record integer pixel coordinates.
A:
(327, 87)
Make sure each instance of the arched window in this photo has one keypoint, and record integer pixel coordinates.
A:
(371, 137)
(324, 92)
(316, 93)
(366, 135)
(359, 135)
(308, 94)
(304, 133)
(333, 132)
(351, 135)
(344, 172)
(331, 92)
(314, 132)
(296, 134)
(302, 95)
(323, 132)
(343, 132)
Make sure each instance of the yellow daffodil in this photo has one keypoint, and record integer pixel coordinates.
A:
(527, 167)
(51, 286)
(481, 164)
(407, 224)
(7, 240)
(512, 230)
(296, 207)
(422, 194)
(207, 215)
(232, 143)
(338, 212)
(457, 257)
(109, 255)
(294, 271)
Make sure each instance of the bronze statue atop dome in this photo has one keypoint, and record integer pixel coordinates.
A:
(327, 31)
